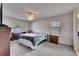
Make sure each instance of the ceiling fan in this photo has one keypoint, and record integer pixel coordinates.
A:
(31, 15)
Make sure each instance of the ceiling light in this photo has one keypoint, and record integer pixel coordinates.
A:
(31, 14)
(78, 15)
(31, 17)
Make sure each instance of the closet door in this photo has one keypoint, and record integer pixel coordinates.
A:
(75, 31)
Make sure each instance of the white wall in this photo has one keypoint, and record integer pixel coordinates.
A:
(42, 25)
(13, 22)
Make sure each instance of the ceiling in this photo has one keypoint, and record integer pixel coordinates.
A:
(42, 10)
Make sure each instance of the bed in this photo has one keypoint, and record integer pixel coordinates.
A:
(32, 40)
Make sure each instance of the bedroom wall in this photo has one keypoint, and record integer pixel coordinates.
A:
(42, 25)
(13, 22)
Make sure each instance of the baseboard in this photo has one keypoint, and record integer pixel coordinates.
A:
(66, 44)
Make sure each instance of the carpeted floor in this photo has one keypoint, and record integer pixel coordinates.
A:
(45, 49)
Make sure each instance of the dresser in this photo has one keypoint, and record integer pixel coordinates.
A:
(4, 41)
(53, 39)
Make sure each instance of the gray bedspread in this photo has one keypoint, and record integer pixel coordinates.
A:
(34, 38)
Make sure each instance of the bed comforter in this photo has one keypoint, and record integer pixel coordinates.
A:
(32, 39)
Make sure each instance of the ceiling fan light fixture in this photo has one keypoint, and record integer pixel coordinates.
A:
(78, 15)
(31, 17)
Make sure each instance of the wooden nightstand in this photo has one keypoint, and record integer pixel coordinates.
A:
(14, 36)
(53, 39)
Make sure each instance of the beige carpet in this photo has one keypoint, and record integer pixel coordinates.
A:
(17, 49)
(45, 49)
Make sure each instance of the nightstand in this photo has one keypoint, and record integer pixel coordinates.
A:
(53, 39)
(14, 36)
